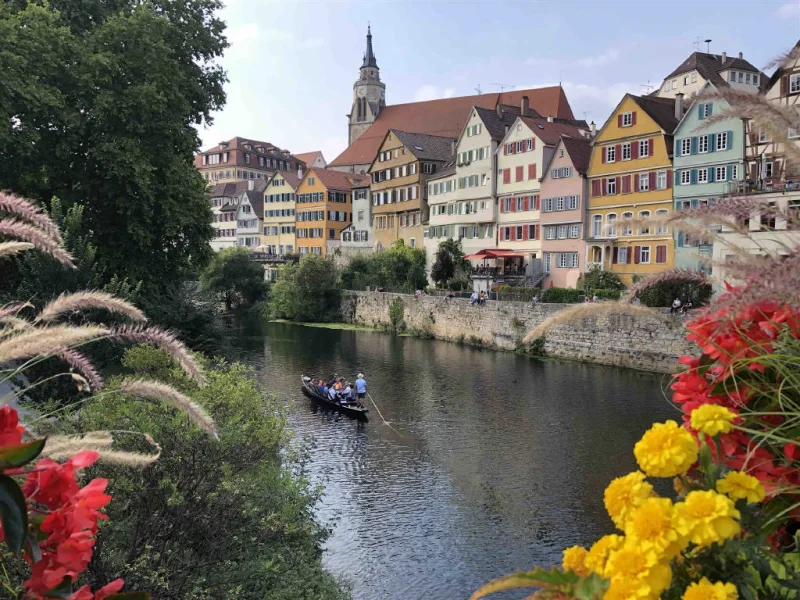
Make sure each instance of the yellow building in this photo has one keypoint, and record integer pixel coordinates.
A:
(279, 218)
(630, 177)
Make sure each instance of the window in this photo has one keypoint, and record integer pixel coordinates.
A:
(644, 229)
(562, 232)
(611, 154)
(661, 215)
(611, 186)
(763, 136)
(702, 175)
(561, 153)
(520, 204)
(575, 231)
(644, 255)
(529, 144)
(794, 83)
(723, 142)
(694, 76)
(626, 151)
(661, 180)
(686, 146)
(626, 228)
(519, 232)
(521, 146)
(547, 205)
(702, 144)
(644, 148)
(572, 202)
(560, 203)
(546, 262)
(549, 233)
(769, 169)
(567, 260)
(644, 182)
(561, 173)
(705, 110)
(627, 119)
(622, 254)
(720, 174)
(311, 181)
(611, 225)
(686, 177)
(597, 226)
(686, 80)
(674, 83)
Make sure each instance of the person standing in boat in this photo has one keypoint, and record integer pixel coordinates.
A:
(361, 389)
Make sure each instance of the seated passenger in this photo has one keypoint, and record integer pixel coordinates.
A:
(332, 394)
(338, 385)
(347, 393)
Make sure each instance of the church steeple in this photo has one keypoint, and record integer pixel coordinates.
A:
(369, 56)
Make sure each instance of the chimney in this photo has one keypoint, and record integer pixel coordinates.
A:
(499, 110)
(679, 106)
(452, 146)
(593, 128)
(549, 118)
(523, 107)
(724, 57)
(741, 55)
(251, 183)
(299, 171)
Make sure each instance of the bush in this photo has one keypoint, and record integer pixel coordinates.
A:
(233, 278)
(606, 294)
(662, 294)
(598, 279)
(518, 294)
(398, 269)
(229, 512)
(396, 311)
(305, 291)
(562, 295)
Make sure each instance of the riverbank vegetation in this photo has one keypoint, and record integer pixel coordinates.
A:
(450, 270)
(232, 278)
(305, 291)
(397, 269)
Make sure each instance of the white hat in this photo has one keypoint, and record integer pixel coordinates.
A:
(361, 376)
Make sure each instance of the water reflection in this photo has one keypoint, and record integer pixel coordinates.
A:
(500, 462)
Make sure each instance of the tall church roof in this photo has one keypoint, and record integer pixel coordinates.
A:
(446, 117)
(369, 55)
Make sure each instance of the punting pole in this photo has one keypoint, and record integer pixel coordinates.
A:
(385, 422)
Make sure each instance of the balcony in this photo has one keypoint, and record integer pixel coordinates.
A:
(767, 185)
(593, 265)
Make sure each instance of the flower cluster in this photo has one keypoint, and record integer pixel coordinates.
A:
(58, 512)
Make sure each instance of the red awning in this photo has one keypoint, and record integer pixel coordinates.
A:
(490, 254)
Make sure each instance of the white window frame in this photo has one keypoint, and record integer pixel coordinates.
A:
(644, 148)
(642, 261)
(661, 180)
(611, 225)
(661, 228)
(611, 182)
(597, 225)
(626, 155)
(628, 228)
(643, 228)
(702, 144)
(574, 231)
(702, 175)
(563, 232)
(622, 254)
(644, 182)
(550, 232)
(724, 170)
(611, 154)
(794, 83)
(627, 119)
(686, 146)
(686, 177)
(722, 136)
(763, 136)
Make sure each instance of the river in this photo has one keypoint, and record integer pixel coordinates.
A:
(498, 462)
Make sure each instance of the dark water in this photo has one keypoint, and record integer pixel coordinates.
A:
(500, 461)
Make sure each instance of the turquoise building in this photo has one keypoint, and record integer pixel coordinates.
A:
(708, 164)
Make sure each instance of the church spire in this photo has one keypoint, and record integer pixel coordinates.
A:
(369, 56)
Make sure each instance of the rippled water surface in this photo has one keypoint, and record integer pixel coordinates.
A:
(499, 461)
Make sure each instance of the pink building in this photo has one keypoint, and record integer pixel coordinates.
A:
(564, 193)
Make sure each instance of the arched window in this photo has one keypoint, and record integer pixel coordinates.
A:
(597, 226)
(627, 228)
(611, 225)
(644, 228)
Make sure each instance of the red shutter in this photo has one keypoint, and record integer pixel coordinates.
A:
(618, 153)
(603, 153)
(533, 143)
(630, 255)
(669, 178)
(502, 233)
(513, 204)
(524, 233)
(505, 149)
(532, 171)
(536, 202)
(525, 203)
(619, 183)
(537, 230)
(500, 207)
(596, 188)
(603, 187)
(513, 234)
(636, 182)
(661, 254)
(652, 180)
(650, 147)
(614, 255)
(619, 120)
(520, 173)
(637, 254)
(634, 150)
(633, 118)
(506, 175)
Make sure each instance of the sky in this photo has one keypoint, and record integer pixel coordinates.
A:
(292, 64)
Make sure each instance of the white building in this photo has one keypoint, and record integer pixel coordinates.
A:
(224, 199)
(250, 218)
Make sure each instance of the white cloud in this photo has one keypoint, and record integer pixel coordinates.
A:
(431, 92)
(604, 58)
(597, 102)
(789, 10)
(311, 43)
(241, 39)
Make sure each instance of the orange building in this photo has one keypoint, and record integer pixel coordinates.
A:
(324, 206)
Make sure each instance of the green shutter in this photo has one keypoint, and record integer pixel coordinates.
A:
(694, 173)
(711, 174)
(730, 142)
(700, 110)
(681, 237)
(694, 203)
(677, 205)
(710, 108)
(712, 142)
(677, 148)
(729, 171)
(694, 145)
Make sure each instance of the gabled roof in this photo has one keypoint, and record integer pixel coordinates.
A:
(239, 143)
(337, 180)
(289, 177)
(310, 157)
(234, 188)
(661, 110)
(229, 207)
(426, 147)
(580, 152)
(256, 200)
(711, 65)
(781, 70)
(550, 132)
(447, 170)
(497, 125)
(446, 117)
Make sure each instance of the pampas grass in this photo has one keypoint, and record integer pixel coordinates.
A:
(166, 341)
(27, 211)
(19, 230)
(13, 308)
(668, 276)
(46, 341)
(62, 447)
(161, 392)
(86, 300)
(12, 248)
(589, 309)
(81, 363)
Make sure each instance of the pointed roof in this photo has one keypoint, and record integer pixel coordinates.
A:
(711, 65)
(256, 200)
(310, 157)
(337, 180)
(497, 125)
(426, 147)
(661, 110)
(369, 55)
(446, 117)
(232, 189)
(550, 132)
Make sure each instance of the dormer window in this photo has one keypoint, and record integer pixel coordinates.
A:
(311, 181)
(627, 119)
(246, 158)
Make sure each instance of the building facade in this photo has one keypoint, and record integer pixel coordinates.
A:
(224, 199)
(369, 94)
(313, 159)
(241, 159)
(250, 219)
(356, 238)
(323, 208)
(630, 178)
(399, 176)
(691, 76)
(279, 217)
(563, 212)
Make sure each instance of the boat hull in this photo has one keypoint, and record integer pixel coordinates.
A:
(312, 393)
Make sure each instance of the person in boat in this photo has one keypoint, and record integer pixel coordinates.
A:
(339, 385)
(332, 395)
(347, 393)
(361, 389)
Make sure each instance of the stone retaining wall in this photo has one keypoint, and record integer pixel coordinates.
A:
(639, 342)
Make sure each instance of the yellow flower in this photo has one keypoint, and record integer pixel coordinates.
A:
(712, 419)
(706, 517)
(625, 590)
(651, 527)
(624, 494)
(705, 590)
(636, 565)
(575, 560)
(597, 558)
(666, 450)
(738, 485)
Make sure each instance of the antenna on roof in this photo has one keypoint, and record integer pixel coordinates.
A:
(708, 46)
(648, 87)
(585, 114)
(478, 89)
(696, 43)
(503, 86)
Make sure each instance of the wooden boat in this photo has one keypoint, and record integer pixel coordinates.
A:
(351, 410)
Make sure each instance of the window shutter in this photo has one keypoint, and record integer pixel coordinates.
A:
(633, 118)
(637, 254)
(619, 183)
(502, 234)
(532, 171)
(500, 202)
(729, 171)
(505, 149)
(524, 233)
(670, 175)
(784, 85)
(711, 174)
(681, 237)
(634, 150)
(595, 187)
(636, 182)
(536, 202)
(533, 143)
(513, 205)
(693, 176)
(677, 205)
(603, 152)
(710, 109)
(712, 142)
(650, 147)
(651, 179)
(520, 173)
(513, 234)
(619, 120)
(730, 142)
(507, 175)
(618, 153)
(677, 151)
(603, 187)
(626, 184)
(537, 229)
(700, 106)
(614, 255)
(661, 254)
(525, 203)
(694, 145)
(630, 255)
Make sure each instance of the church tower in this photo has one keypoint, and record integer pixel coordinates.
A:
(369, 94)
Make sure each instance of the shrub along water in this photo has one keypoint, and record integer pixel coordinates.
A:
(305, 291)
(398, 269)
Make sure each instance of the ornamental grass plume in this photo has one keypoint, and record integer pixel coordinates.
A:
(13, 308)
(19, 230)
(83, 365)
(46, 341)
(27, 211)
(590, 309)
(154, 390)
(88, 300)
(166, 341)
(62, 447)
(12, 248)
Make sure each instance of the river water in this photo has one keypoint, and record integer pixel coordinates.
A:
(498, 462)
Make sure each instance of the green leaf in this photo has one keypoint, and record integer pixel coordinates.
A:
(13, 512)
(536, 578)
(62, 590)
(20, 454)
(32, 545)
(591, 587)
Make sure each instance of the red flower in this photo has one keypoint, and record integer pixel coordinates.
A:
(85, 593)
(10, 429)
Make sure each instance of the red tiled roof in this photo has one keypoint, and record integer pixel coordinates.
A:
(446, 117)
(580, 151)
(337, 180)
(290, 177)
(549, 132)
(238, 143)
(309, 157)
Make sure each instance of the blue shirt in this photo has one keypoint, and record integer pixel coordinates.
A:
(332, 393)
(361, 386)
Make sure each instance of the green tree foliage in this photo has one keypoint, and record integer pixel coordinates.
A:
(398, 269)
(234, 278)
(305, 291)
(210, 519)
(450, 269)
(396, 312)
(598, 279)
(102, 97)
(559, 295)
(662, 294)
(443, 268)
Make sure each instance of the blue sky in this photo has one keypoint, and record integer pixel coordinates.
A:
(292, 64)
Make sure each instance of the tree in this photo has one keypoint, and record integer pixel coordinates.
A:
(305, 291)
(234, 278)
(102, 97)
(443, 267)
(598, 279)
(400, 269)
(396, 312)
